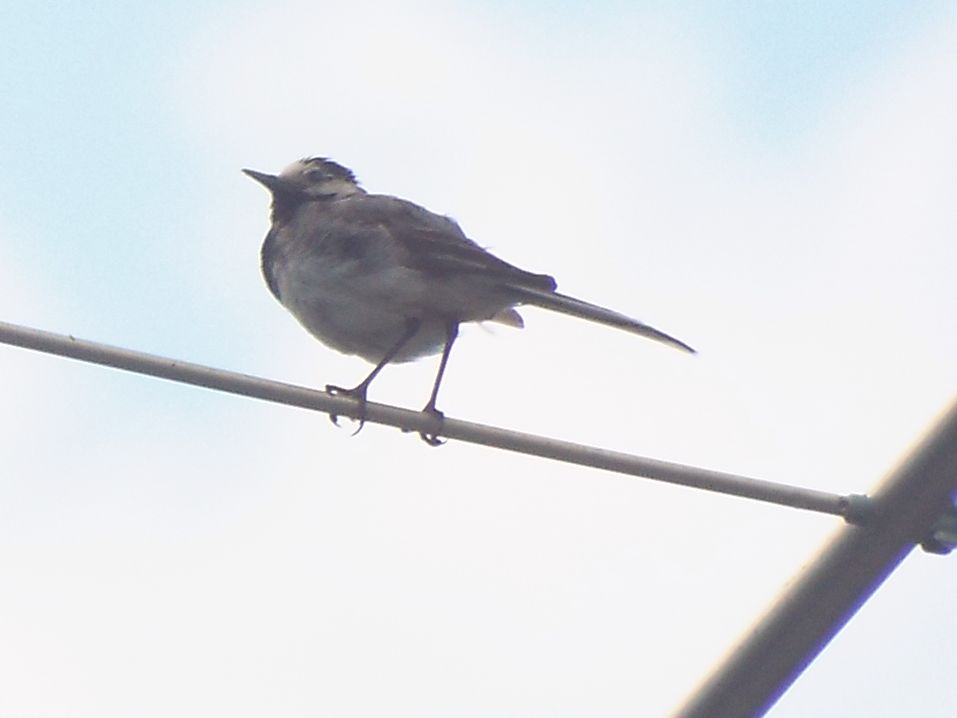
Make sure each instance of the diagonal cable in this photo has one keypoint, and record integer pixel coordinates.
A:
(305, 398)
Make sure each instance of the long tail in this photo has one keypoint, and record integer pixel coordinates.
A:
(592, 312)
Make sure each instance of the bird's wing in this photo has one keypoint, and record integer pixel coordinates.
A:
(435, 243)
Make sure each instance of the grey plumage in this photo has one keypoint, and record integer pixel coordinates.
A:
(386, 279)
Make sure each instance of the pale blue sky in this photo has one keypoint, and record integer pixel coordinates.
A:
(772, 182)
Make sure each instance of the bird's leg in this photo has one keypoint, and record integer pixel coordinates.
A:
(451, 332)
(359, 392)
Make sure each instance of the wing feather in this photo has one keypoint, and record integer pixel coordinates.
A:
(435, 243)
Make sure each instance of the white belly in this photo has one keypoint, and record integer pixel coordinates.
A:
(360, 315)
(362, 304)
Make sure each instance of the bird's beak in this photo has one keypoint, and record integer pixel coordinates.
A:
(274, 183)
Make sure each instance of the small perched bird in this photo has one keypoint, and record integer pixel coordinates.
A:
(386, 279)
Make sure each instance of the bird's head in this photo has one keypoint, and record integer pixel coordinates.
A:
(313, 178)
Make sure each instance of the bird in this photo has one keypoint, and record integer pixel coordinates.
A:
(388, 280)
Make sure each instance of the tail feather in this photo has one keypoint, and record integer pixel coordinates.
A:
(592, 312)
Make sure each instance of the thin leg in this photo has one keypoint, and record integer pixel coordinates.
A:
(452, 331)
(359, 392)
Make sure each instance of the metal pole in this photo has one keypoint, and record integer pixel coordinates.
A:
(302, 397)
(807, 616)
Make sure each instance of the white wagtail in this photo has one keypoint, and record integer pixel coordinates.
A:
(386, 279)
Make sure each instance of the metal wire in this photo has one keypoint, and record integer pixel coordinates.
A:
(806, 617)
(291, 395)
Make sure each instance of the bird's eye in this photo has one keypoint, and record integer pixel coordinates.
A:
(314, 175)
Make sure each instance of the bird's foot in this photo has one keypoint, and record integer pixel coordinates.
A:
(432, 438)
(359, 394)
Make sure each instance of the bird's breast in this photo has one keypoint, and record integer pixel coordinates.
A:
(354, 287)
(355, 302)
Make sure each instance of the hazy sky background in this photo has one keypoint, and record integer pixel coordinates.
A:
(773, 183)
